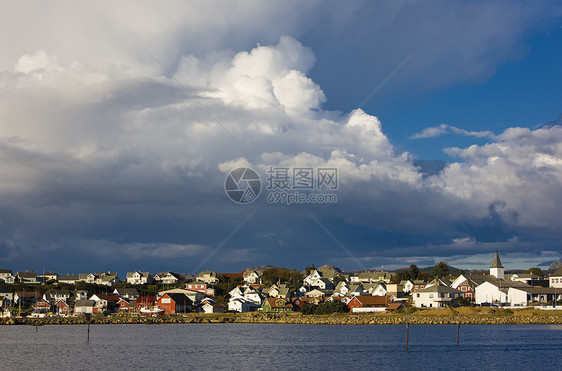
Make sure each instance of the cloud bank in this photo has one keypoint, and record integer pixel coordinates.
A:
(106, 158)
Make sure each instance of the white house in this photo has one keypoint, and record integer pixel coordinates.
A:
(212, 308)
(208, 277)
(139, 278)
(84, 306)
(555, 279)
(380, 290)
(281, 291)
(437, 296)
(371, 277)
(495, 292)
(240, 305)
(523, 296)
(168, 278)
(315, 279)
(251, 276)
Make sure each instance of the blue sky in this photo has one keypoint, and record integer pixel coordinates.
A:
(121, 122)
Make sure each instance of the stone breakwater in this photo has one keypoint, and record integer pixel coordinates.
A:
(428, 317)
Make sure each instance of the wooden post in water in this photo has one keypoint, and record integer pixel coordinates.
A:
(35, 325)
(407, 331)
(88, 332)
(459, 329)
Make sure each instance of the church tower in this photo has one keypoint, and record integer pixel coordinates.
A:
(496, 269)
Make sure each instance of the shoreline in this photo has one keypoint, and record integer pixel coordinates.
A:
(472, 316)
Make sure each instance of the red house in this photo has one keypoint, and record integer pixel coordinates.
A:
(368, 301)
(467, 288)
(42, 307)
(174, 303)
(122, 305)
(62, 308)
(200, 286)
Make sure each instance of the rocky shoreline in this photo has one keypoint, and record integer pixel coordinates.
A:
(477, 316)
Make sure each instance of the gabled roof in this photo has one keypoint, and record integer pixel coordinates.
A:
(6, 271)
(274, 303)
(108, 297)
(69, 277)
(178, 298)
(557, 273)
(84, 303)
(439, 288)
(127, 291)
(373, 301)
(29, 294)
(496, 263)
(394, 306)
(31, 274)
(207, 273)
(142, 274)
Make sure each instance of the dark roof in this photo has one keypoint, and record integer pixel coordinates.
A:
(373, 301)
(68, 277)
(127, 291)
(6, 271)
(273, 303)
(108, 297)
(28, 294)
(31, 274)
(84, 303)
(394, 306)
(557, 273)
(178, 298)
(496, 263)
(537, 289)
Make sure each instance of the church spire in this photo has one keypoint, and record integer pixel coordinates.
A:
(496, 263)
(496, 269)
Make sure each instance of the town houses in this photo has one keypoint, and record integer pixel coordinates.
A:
(271, 289)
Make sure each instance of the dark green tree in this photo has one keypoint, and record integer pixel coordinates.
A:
(440, 269)
(413, 272)
(536, 271)
(309, 269)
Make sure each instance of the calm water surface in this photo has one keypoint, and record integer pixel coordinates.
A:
(286, 347)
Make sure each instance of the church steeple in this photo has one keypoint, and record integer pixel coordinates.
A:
(496, 269)
(496, 263)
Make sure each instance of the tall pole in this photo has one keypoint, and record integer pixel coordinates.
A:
(407, 331)
(459, 329)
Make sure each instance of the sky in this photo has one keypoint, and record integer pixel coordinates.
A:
(120, 123)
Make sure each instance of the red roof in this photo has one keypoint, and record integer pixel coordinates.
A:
(394, 306)
(372, 301)
(230, 275)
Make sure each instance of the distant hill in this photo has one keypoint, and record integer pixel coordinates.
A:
(261, 268)
(556, 265)
(330, 267)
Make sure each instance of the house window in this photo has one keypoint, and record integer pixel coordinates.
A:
(430, 296)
